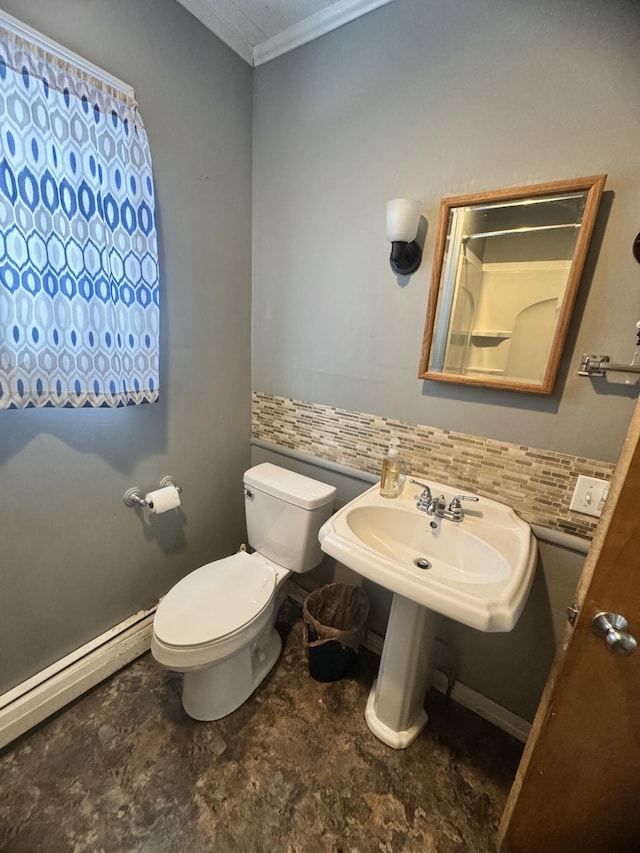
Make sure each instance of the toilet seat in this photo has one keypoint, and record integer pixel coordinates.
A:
(215, 602)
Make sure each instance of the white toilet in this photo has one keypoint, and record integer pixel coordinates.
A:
(217, 624)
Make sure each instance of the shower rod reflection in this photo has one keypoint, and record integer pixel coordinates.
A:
(526, 229)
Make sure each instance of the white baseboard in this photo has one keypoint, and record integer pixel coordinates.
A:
(34, 700)
(47, 692)
(463, 695)
(484, 707)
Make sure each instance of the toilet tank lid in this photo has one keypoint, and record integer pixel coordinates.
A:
(289, 486)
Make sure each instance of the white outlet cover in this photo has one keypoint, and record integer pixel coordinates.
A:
(589, 495)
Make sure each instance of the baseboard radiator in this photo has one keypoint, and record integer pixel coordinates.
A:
(31, 702)
(47, 692)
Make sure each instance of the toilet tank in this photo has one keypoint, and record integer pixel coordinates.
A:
(285, 512)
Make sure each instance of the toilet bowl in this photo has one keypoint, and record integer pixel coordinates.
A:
(216, 625)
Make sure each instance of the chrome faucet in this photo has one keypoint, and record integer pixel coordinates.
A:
(437, 506)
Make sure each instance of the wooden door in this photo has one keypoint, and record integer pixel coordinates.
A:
(578, 784)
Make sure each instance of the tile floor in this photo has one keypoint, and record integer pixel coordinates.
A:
(294, 770)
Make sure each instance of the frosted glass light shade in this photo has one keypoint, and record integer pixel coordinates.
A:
(403, 218)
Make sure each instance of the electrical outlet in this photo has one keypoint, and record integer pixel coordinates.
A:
(589, 495)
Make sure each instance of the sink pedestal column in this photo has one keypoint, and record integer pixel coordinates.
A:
(395, 708)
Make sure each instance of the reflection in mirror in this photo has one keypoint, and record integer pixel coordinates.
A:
(505, 275)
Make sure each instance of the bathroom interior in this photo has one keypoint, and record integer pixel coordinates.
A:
(286, 338)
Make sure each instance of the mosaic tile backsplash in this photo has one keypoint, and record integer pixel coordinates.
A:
(538, 484)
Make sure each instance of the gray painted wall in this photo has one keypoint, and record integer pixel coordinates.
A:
(414, 99)
(427, 100)
(74, 560)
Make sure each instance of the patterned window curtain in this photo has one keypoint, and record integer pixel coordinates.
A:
(79, 318)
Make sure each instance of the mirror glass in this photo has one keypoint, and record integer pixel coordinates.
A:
(506, 271)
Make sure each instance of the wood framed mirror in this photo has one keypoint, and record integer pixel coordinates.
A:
(506, 271)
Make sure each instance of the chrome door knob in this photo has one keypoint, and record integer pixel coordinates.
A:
(613, 629)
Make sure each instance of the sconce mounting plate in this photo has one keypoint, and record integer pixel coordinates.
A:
(405, 257)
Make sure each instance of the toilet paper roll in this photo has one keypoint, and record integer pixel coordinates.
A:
(163, 499)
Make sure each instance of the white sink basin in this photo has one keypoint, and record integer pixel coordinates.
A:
(399, 536)
(477, 571)
(481, 568)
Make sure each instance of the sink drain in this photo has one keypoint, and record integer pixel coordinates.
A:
(422, 563)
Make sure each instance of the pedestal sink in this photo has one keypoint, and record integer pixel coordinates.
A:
(477, 571)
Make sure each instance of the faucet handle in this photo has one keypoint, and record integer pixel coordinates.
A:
(456, 501)
(423, 500)
(455, 507)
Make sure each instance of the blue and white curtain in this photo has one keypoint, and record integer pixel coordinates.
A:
(78, 247)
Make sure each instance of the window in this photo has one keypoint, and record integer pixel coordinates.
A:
(79, 317)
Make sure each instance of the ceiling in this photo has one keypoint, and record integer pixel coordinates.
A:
(260, 30)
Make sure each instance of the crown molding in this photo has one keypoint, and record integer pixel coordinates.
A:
(340, 13)
(248, 45)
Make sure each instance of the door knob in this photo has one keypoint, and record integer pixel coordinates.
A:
(613, 629)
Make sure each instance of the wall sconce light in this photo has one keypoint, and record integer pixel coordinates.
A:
(403, 220)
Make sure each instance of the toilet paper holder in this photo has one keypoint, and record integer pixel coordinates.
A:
(135, 496)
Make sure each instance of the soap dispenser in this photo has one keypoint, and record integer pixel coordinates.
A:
(393, 472)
